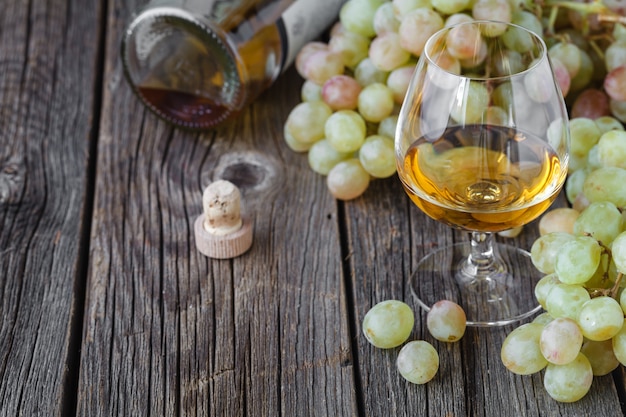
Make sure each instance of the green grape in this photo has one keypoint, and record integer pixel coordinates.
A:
(448, 7)
(351, 46)
(615, 54)
(578, 260)
(539, 88)
(418, 362)
(565, 300)
(585, 72)
(305, 53)
(584, 133)
(358, 16)
(345, 130)
(593, 158)
(377, 156)
(375, 102)
(601, 279)
(574, 184)
(385, 19)
(416, 27)
(306, 121)
(402, 7)
(560, 341)
(618, 109)
(398, 82)
(510, 63)
(561, 76)
(607, 123)
(310, 91)
(293, 144)
(471, 110)
(606, 184)
(601, 318)
(544, 250)
(561, 219)
(386, 52)
(618, 251)
(341, 92)
(600, 220)
(570, 382)
(543, 287)
(366, 73)
(569, 54)
(519, 40)
(543, 318)
(388, 324)
(347, 180)
(502, 95)
(601, 356)
(322, 157)
(612, 149)
(520, 352)
(495, 115)
(615, 84)
(494, 10)
(577, 163)
(321, 65)
(387, 126)
(464, 41)
(457, 18)
(446, 321)
(619, 345)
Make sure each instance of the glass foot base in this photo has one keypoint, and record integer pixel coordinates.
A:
(504, 295)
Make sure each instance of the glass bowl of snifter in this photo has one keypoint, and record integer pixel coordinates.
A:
(482, 145)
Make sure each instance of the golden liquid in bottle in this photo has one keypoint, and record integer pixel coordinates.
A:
(187, 87)
(198, 87)
(482, 178)
(198, 63)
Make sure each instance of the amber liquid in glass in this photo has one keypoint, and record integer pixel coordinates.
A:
(482, 177)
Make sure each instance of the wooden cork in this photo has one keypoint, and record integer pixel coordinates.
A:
(220, 231)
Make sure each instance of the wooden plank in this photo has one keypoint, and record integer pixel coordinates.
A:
(386, 238)
(48, 77)
(169, 332)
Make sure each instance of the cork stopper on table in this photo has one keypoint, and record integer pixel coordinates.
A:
(220, 231)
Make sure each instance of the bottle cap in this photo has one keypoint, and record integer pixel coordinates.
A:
(221, 232)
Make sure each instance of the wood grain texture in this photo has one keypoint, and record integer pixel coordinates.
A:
(48, 79)
(108, 309)
(170, 332)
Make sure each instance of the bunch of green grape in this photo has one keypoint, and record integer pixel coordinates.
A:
(356, 81)
(582, 251)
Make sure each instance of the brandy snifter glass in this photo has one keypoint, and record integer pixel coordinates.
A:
(482, 145)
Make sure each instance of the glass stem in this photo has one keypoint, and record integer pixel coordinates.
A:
(482, 261)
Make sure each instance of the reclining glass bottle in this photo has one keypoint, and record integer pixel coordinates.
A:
(197, 63)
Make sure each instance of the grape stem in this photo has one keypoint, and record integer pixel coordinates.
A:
(616, 286)
(611, 292)
(597, 8)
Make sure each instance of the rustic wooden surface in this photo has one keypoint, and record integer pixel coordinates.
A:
(107, 308)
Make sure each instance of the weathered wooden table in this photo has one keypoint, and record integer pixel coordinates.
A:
(106, 306)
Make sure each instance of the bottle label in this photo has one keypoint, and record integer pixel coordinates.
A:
(305, 20)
